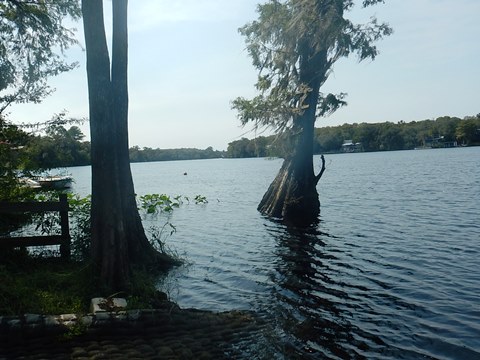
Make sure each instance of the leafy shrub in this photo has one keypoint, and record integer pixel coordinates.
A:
(151, 205)
(80, 225)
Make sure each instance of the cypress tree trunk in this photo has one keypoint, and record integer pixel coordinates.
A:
(118, 237)
(109, 247)
(292, 196)
(139, 248)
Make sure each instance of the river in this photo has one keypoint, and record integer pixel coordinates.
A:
(391, 272)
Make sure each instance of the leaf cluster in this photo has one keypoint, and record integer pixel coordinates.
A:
(162, 203)
(295, 43)
(158, 203)
(31, 35)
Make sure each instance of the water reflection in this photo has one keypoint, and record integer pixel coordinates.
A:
(311, 320)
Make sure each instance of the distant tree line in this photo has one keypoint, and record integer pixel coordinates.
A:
(60, 146)
(147, 154)
(445, 131)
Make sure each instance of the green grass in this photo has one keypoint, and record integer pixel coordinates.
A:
(44, 286)
(52, 286)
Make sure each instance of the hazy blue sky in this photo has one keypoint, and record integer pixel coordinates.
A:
(187, 62)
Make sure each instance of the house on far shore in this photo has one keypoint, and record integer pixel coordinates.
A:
(349, 146)
(438, 142)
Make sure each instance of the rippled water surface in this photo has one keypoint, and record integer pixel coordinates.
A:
(391, 272)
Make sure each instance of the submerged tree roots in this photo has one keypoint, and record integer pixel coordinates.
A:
(292, 196)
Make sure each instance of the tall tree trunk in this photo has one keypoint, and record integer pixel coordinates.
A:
(109, 247)
(292, 196)
(139, 248)
(118, 237)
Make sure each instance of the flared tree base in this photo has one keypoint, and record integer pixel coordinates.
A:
(292, 197)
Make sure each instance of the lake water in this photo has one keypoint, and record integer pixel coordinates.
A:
(391, 272)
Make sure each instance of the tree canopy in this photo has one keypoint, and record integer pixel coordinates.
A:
(294, 34)
(33, 38)
(59, 147)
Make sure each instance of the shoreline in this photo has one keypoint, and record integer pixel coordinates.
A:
(167, 332)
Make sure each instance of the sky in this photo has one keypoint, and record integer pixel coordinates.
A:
(187, 62)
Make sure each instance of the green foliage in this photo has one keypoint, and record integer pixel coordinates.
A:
(35, 284)
(60, 147)
(22, 154)
(158, 237)
(295, 43)
(468, 131)
(12, 142)
(151, 205)
(43, 286)
(154, 205)
(48, 223)
(244, 147)
(80, 226)
(77, 329)
(63, 146)
(200, 199)
(50, 286)
(149, 154)
(32, 36)
(157, 203)
(161, 203)
(143, 293)
(444, 131)
(31, 286)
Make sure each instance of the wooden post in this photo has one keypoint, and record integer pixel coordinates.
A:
(65, 245)
(31, 206)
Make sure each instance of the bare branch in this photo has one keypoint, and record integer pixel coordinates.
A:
(322, 170)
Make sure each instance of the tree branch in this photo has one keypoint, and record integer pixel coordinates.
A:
(322, 170)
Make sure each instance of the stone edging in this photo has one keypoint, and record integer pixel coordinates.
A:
(34, 324)
(68, 321)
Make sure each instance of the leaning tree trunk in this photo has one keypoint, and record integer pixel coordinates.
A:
(118, 237)
(292, 196)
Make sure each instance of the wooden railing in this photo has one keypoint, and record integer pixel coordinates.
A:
(31, 206)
